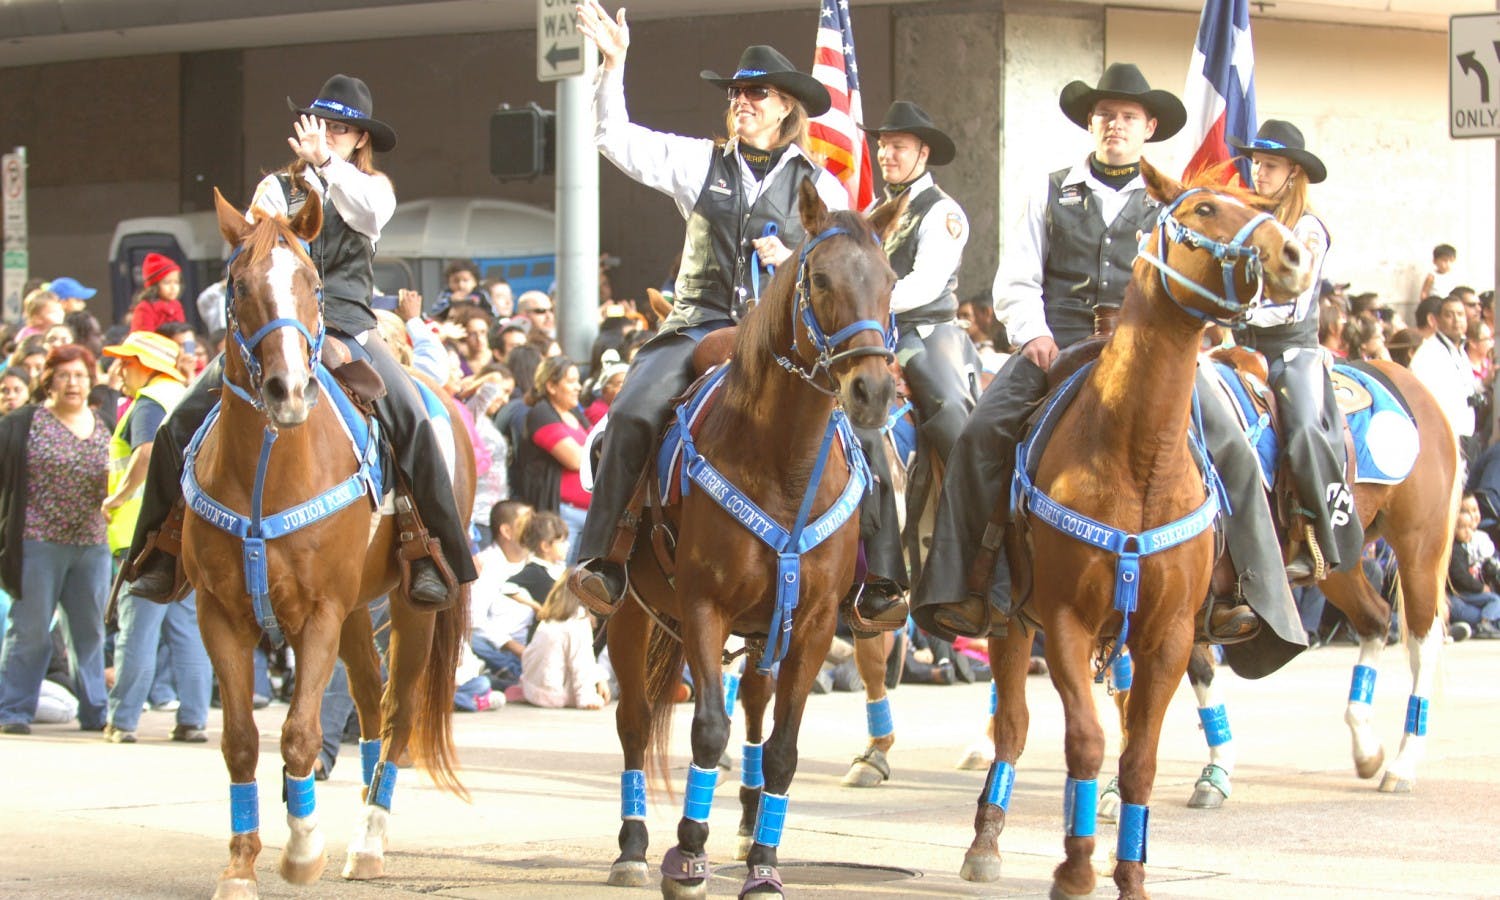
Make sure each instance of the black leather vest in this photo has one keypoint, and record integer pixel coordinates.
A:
(715, 271)
(345, 260)
(901, 248)
(1087, 264)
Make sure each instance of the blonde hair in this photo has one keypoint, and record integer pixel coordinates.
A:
(38, 299)
(561, 604)
(393, 332)
(1293, 203)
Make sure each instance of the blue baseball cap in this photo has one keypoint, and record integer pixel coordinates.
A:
(71, 289)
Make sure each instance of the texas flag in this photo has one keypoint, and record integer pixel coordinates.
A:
(837, 134)
(1220, 93)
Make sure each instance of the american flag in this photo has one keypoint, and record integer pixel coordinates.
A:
(836, 134)
(1220, 93)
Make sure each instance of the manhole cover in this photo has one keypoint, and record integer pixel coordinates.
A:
(827, 874)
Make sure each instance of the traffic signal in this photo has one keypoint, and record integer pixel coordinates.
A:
(522, 142)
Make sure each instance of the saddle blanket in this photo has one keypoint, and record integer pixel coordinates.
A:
(1385, 437)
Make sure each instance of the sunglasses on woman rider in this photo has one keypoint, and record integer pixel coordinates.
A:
(754, 92)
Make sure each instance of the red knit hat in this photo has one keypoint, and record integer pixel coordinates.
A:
(156, 267)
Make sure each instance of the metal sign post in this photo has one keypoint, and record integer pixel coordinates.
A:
(13, 187)
(563, 56)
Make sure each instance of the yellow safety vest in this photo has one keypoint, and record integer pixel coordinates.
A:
(168, 392)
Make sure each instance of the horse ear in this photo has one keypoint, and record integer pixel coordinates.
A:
(309, 219)
(810, 205)
(884, 216)
(232, 223)
(1159, 185)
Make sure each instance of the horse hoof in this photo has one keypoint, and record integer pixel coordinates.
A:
(1369, 768)
(860, 775)
(684, 890)
(1205, 797)
(1395, 784)
(364, 866)
(742, 846)
(236, 889)
(976, 760)
(1058, 893)
(629, 873)
(304, 871)
(980, 868)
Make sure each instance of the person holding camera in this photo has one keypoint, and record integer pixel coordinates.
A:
(1472, 579)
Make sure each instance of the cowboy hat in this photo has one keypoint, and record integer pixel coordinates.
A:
(344, 98)
(905, 117)
(152, 350)
(760, 64)
(1123, 81)
(1278, 137)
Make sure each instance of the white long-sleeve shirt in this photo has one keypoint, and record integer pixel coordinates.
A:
(940, 248)
(365, 201)
(1313, 235)
(558, 668)
(1444, 369)
(1017, 290)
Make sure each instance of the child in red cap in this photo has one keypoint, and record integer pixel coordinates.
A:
(157, 302)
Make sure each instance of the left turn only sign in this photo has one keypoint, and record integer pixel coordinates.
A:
(1474, 76)
(560, 50)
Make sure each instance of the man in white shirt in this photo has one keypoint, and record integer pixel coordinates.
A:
(1441, 364)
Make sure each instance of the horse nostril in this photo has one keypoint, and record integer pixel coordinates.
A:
(859, 391)
(275, 389)
(1292, 254)
(310, 391)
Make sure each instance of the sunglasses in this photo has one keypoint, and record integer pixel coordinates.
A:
(754, 92)
(539, 310)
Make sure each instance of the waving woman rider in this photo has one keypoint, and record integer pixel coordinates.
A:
(334, 141)
(731, 192)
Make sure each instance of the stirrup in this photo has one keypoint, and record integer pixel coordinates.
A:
(1241, 626)
(414, 543)
(592, 589)
(865, 627)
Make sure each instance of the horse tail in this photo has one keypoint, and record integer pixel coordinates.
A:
(664, 657)
(432, 722)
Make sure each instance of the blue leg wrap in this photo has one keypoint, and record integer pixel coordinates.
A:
(1080, 807)
(997, 786)
(1132, 843)
(731, 692)
(1122, 673)
(633, 794)
(878, 717)
(244, 808)
(298, 793)
(1416, 716)
(751, 774)
(1215, 721)
(994, 698)
(700, 793)
(1362, 687)
(369, 755)
(382, 786)
(770, 819)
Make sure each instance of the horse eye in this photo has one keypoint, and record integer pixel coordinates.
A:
(1204, 209)
(239, 286)
(820, 281)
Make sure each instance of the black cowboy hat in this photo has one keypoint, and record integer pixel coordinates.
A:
(906, 117)
(760, 64)
(1123, 81)
(1278, 137)
(344, 98)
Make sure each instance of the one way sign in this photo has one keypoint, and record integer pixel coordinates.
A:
(560, 50)
(1474, 76)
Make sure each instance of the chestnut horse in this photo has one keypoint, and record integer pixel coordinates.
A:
(811, 349)
(319, 578)
(1120, 469)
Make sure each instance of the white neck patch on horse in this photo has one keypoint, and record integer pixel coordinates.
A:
(281, 277)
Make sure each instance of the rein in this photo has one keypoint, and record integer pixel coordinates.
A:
(825, 345)
(1229, 254)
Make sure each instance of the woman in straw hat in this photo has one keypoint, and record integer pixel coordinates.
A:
(739, 197)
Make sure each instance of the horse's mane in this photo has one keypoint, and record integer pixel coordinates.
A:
(766, 331)
(266, 234)
(1224, 178)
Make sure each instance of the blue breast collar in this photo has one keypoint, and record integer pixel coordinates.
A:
(1129, 547)
(255, 529)
(789, 545)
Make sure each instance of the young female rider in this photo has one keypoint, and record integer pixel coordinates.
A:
(1287, 334)
(731, 193)
(334, 141)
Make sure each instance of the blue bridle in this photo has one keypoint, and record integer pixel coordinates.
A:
(825, 344)
(247, 346)
(1229, 254)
